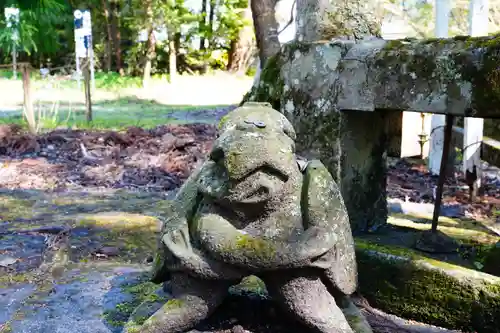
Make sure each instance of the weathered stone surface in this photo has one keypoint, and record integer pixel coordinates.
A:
(406, 284)
(254, 208)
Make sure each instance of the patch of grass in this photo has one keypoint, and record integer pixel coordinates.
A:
(110, 115)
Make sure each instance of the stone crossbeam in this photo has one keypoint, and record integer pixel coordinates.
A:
(459, 76)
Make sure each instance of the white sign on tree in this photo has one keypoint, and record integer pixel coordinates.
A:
(83, 41)
(12, 19)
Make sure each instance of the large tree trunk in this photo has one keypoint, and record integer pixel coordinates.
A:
(341, 19)
(177, 46)
(151, 44)
(115, 28)
(242, 47)
(203, 23)
(109, 36)
(172, 58)
(150, 55)
(266, 29)
(211, 19)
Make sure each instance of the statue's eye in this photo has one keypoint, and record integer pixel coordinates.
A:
(217, 154)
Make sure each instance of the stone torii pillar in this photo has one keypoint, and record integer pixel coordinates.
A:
(473, 127)
(359, 174)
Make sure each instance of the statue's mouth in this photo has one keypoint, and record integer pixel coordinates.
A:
(258, 185)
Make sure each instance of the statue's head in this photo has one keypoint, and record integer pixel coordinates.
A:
(253, 158)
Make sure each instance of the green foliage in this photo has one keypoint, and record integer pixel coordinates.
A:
(38, 19)
(47, 36)
(230, 20)
(110, 81)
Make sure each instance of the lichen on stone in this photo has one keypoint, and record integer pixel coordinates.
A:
(431, 65)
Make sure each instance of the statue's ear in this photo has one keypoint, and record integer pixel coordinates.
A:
(289, 130)
(322, 206)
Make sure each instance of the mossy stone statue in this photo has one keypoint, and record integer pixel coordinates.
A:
(255, 208)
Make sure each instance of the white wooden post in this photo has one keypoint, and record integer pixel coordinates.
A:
(442, 8)
(473, 127)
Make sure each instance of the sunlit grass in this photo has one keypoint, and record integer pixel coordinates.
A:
(115, 114)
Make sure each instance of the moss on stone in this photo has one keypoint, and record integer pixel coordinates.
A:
(222, 121)
(260, 248)
(352, 21)
(270, 85)
(289, 49)
(492, 260)
(409, 285)
(174, 304)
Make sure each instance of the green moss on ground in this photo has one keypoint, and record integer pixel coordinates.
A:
(141, 291)
(407, 284)
(12, 278)
(134, 234)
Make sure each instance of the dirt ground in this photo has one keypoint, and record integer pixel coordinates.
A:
(160, 159)
(157, 161)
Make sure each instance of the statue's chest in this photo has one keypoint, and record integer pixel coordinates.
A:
(283, 224)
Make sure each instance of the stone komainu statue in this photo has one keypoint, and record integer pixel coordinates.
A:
(255, 208)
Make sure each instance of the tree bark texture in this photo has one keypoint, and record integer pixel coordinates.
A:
(242, 47)
(266, 28)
